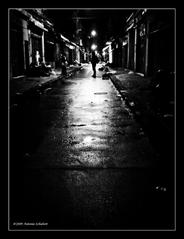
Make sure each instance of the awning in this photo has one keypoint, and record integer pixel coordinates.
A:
(68, 42)
(38, 24)
(64, 38)
(70, 46)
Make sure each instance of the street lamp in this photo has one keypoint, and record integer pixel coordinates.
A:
(93, 47)
(93, 33)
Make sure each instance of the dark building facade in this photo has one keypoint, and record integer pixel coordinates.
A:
(147, 43)
(33, 40)
(27, 39)
(161, 40)
(150, 44)
(17, 39)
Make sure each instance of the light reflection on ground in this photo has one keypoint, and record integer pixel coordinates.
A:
(88, 140)
(91, 168)
(90, 98)
(94, 129)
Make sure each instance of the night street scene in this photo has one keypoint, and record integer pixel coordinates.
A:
(91, 119)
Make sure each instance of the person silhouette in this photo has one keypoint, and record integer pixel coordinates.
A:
(94, 61)
(63, 64)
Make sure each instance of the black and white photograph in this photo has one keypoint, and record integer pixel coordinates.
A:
(91, 119)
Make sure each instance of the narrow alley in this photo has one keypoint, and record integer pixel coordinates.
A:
(91, 114)
(93, 167)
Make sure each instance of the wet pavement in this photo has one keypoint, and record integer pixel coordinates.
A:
(80, 160)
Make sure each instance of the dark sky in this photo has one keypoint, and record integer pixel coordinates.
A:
(106, 22)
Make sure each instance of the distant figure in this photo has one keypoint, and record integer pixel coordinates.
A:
(63, 64)
(37, 56)
(94, 61)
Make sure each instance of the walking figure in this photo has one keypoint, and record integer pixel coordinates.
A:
(63, 64)
(94, 61)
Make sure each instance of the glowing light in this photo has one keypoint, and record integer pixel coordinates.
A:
(93, 47)
(93, 33)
